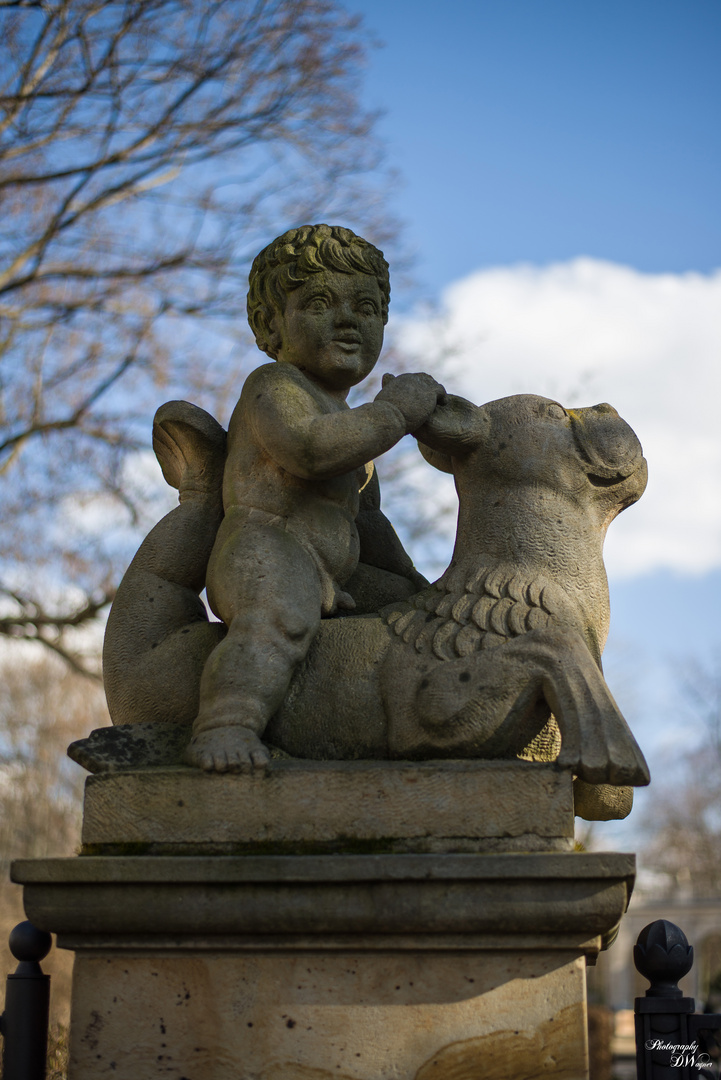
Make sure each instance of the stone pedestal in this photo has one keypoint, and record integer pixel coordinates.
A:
(312, 807)
(411, 962)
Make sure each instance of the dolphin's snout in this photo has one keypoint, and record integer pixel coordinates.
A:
(607, 442)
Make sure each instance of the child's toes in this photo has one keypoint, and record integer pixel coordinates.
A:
(259, 757)
(237, 760)
(222, 762)
(212, 761)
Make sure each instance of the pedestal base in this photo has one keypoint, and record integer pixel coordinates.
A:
(411, 967)
(366, 1015)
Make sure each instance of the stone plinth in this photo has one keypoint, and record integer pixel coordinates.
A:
(431, 955)
(263, 900)
(301, 967)
(311, 807)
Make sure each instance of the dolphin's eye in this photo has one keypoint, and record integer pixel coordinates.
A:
(556, 412)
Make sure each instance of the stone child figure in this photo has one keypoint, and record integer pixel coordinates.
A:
(297, 459)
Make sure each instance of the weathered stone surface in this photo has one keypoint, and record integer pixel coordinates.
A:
(381, 1016)
(126, 747)
(531, 895)
(423, 681)
(385, 967)
(131, 746)
(601, 802)
(471, 667)
(305, 806)
(291, 474)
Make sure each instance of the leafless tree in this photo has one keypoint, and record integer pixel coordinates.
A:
(43, 707)
(147, 151)
(683, 819)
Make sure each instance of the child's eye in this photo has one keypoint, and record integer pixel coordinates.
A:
(317, 303)
(367, 307)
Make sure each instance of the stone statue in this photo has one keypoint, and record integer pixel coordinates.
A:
(500, 658)
(294, 880)
(296, 461)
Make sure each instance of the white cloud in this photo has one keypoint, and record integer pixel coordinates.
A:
(588, 331)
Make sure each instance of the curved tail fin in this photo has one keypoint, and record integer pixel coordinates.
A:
(190, 446)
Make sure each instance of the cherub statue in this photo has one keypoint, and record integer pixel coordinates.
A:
(297, 458)
(283, 525)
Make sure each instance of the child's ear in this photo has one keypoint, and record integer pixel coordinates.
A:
(267, 333)
(275, 341)
(274, 337)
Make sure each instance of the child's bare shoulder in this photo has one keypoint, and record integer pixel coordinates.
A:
(275, 377)
(273, 397)
(276, 391)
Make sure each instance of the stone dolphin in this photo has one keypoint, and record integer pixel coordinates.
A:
(472, 666)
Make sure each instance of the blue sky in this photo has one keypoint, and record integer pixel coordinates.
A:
(564, 159)
(539, 130)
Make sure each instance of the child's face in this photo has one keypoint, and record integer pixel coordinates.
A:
(332, 328)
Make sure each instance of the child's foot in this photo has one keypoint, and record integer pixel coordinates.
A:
(227, 749)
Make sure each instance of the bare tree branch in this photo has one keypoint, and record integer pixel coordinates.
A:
(684, 831)
(147, 152)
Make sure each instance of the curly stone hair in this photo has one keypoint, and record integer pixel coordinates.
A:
(290, 260)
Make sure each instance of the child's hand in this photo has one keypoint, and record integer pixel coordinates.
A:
(415, 395)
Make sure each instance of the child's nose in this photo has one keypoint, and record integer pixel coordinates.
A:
(346, 315)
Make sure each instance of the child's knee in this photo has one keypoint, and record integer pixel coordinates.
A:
(299, 625)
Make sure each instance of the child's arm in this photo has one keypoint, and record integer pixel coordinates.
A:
(385, 573)
(380, 545)
(310, 443)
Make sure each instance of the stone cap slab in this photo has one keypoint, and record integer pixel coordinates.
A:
(502, 896)
(306, 807)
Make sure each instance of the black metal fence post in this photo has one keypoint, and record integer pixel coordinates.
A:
(668, 1045)
(24, 1024)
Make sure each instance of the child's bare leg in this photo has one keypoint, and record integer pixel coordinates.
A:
(266, 588)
